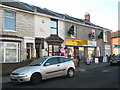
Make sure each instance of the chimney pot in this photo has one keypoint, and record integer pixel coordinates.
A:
(87, 17)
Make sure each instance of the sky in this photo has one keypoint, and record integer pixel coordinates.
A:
(102, 12)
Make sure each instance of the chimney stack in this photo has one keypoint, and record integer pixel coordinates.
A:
(87, 17)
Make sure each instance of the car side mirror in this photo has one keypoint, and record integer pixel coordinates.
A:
(47, 64)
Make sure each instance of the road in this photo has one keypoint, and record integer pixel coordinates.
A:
(103, 77)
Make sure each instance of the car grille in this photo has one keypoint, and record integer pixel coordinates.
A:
(15, 74)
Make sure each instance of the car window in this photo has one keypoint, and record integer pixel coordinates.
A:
(62, 59)
(37, 62)
(52, 61)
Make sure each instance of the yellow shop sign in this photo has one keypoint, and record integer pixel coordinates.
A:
(71, 42)
(76, 42)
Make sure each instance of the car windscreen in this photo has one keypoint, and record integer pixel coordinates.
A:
(38, 62)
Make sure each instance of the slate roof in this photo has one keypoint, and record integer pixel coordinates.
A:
(19, 5)
(32, 8)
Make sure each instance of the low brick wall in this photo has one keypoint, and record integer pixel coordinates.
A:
(7, 68)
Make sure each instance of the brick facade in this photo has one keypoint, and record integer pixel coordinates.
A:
(24, 27)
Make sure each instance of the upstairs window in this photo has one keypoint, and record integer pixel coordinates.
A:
(105, 36)
(54, 27)
(9, 21)
(72, 32)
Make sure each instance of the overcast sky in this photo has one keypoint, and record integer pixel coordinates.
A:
(103, 12)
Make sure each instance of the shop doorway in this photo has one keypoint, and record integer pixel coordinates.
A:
(91, 53)
(81, 53)
(37, 46)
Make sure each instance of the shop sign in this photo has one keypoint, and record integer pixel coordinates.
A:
(96, 60)
(71, 42)
(91, 43)
(76, 42)
(82, 42)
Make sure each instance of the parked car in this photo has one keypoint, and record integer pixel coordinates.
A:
(115, 61)
(44, 68)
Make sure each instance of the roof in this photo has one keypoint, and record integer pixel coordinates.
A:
(54, 39)
(19, 5)
(32, 8)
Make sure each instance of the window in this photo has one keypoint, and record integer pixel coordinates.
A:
(53, 50)
(9, 52)
(73, 31)
(52, 61)
(107, 50)
(54, 27)
(9, 21)
(105, 36)
(63, 59)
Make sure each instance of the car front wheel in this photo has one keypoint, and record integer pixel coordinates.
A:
(35, 78)
(70, 73)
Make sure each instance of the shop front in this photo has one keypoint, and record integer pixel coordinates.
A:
(75, 48)
(54, 43)
(91, 50)
(82, 48)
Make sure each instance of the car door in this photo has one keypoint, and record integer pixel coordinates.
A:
(64, 63)
(51, 68)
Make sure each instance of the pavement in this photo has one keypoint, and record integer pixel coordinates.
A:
(82, 67)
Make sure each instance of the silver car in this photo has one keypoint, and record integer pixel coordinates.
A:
(44, 68)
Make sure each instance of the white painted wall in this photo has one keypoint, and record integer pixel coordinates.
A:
(42, 26)
(42, 30)
(61, 30)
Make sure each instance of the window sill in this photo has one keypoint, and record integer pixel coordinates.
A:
(9, 31)
(105, 41)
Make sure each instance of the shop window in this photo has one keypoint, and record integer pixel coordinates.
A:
(53, 50)
(50, 50)
(9, 52)
(71, 52)
(9, 21)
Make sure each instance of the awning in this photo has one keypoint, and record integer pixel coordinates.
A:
(117, 46)
(54, 39)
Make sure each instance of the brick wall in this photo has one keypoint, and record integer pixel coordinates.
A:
(24, 27)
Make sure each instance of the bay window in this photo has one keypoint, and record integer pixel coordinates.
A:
(9, 52)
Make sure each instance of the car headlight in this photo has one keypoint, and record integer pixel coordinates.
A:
(21, 74)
